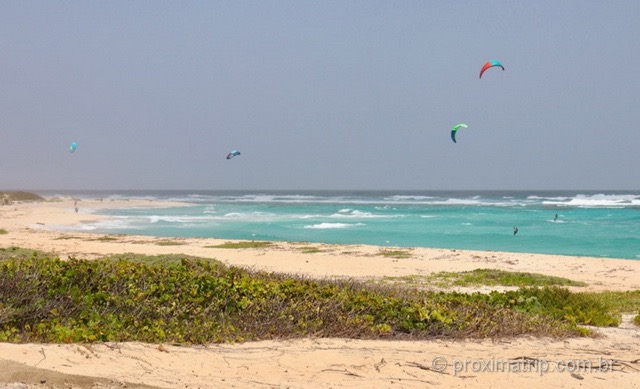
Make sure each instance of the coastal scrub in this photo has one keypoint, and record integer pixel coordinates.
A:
(190, 300)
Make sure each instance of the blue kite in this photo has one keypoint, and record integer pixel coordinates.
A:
(232, 154)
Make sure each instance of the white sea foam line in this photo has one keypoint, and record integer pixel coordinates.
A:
(362, 215)
(588, 204)
(127, 197)
(387, 201)
(407, 197)
(277, 198)
(176, 219)
(597, 200)
(308, 216)
(561, 198)
(323, 226)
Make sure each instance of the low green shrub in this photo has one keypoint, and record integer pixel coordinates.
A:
(619, 301)
(560, 303)
(181, 299)
(398, 254)
(310, 250)
(241, 245)
(105, 238)
(169, 243)
(493, 277)
(18, 253)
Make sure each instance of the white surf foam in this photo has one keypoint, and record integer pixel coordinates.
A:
(324, 226)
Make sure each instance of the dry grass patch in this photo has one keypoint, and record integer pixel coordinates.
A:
(310, 250)
(169, 243)
(67, 237)
(241, 245)
(106, 238)
(398, 254)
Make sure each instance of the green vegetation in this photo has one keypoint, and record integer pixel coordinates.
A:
(182, 299)
(413, 280)
(560, 303)
(3, 231)
(20, 253)
(66, 237)
(169, 243)
(394, 254)
(627, 301)
(241, 245)
(493, 277)
(106, 238)
(310, 250)
(620, 302)
(175, 298)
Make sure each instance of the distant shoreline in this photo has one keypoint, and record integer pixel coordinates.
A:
(429, 219)
(27, 226)
(105, 200)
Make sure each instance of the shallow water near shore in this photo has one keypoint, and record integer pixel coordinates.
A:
(578, 223)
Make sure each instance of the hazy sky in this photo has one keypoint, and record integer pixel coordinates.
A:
(319, 94)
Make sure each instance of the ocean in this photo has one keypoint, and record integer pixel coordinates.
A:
(597, 224)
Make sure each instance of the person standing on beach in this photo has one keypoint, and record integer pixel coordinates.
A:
(515, 230)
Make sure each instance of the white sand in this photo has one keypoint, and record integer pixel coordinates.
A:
(309, 363)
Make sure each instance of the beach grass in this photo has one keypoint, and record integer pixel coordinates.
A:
(181, 299)
(309, 250)
(153, 260)
(169, 243)
(308, 247)
(106, 238)
(3, 231)
(67, 237)
(398, 254)
(494, 277)
(14, 252)
(618, 301)
(476, 278)
(241, 245)
(411, 280)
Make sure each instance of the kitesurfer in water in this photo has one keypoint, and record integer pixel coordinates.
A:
(555, 218)
(515, 230)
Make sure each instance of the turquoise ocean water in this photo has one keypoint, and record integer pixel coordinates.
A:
(600, 224)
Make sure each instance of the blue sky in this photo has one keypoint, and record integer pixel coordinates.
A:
(319, 94)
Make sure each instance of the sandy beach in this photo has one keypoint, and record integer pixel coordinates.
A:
(613, 359)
